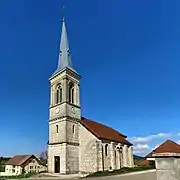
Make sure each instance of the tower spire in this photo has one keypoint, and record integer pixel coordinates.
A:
(64, 53)
(63, 15)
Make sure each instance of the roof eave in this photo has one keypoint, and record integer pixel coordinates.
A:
(57, 72)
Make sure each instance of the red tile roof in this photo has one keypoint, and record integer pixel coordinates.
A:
(150, 154)
(104, 132)
(166, 147)
(142, 162)
(18, 160)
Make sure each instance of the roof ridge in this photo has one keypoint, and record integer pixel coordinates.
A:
(23, 155)
(170, 142)
(106, 126)
(105, 132)
(18, 159)
(88, 127)
(166, 146)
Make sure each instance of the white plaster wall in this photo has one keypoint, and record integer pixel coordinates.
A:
(150, 159)
(34, 166)
(12, 170)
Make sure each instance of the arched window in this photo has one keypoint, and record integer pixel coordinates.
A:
(58, 94)
(106, 149)
(120, 149)
(57, 128)
(73, 128)
(71, 93)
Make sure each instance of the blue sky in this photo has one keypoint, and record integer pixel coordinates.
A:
(126, 51)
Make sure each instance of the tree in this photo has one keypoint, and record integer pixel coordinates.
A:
(43, 157)
(152, 163)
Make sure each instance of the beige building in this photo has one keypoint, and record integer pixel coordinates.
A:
(77, 144)
(21, 164)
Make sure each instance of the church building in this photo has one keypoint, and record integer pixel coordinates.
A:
(78, 144)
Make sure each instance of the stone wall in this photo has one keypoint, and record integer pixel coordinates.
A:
(64, 120)
(125, 155)
(130, 157)
(57, 150)
(100, 164)
(168, 168)
(88, 152)
(107, 157)
(72, 159)
(118, 155)
(112, 155)
(55, 137)
(72, 131)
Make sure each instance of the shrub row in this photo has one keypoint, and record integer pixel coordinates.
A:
(120, 171)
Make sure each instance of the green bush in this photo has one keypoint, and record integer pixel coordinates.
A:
(2, 168)
(152, 163)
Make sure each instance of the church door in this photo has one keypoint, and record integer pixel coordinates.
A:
(57, 164)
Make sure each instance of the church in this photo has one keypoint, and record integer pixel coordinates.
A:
(78, 144)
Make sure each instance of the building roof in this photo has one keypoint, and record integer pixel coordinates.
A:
(143, 162)
(19, 160)
(104, 132)
(64, 60)
(150, 154)
(166, 147)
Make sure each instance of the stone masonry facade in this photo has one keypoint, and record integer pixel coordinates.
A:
(90, 155)
(72, 148)
(93, 156)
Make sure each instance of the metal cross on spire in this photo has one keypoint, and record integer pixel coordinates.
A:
(63, 13)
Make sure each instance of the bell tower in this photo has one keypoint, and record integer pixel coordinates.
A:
(64, 113)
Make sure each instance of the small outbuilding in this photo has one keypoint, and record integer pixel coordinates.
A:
(23, 164)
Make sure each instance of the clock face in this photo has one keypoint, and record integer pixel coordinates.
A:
(57, 110)
(73, 110)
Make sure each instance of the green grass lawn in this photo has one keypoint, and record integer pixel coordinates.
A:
(120, 171)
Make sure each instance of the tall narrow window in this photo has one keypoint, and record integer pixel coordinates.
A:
(60, 91)
(57, 129)
(72, 100)
(71, 93)
(73, 129)
(59, 94)
(106, 149)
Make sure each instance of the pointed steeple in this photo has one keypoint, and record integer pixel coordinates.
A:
(64, 53)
